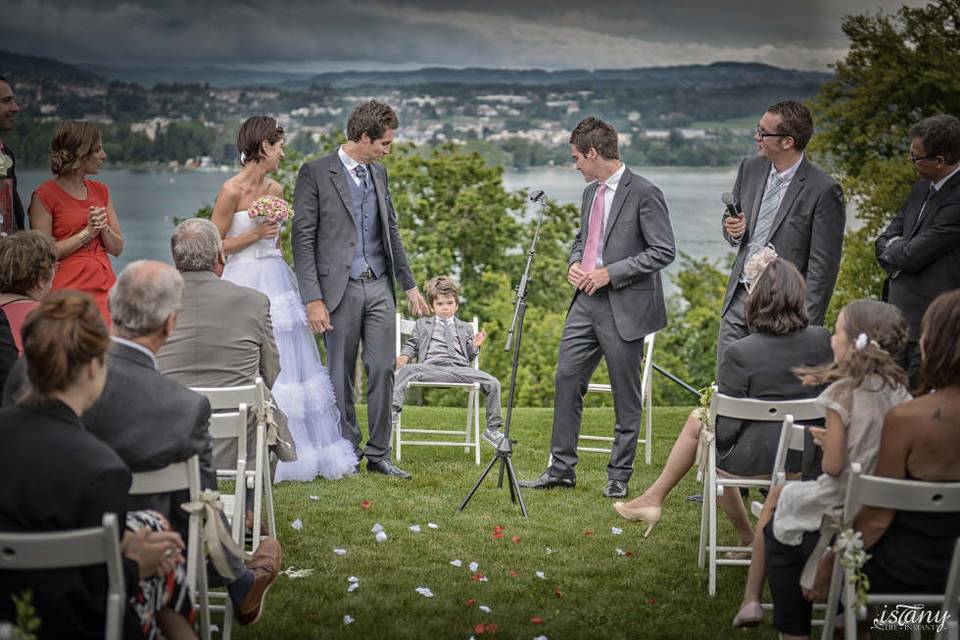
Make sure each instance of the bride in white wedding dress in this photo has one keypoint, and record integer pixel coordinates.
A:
(303, 390)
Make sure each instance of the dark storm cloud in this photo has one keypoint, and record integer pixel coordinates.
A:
(430, 32)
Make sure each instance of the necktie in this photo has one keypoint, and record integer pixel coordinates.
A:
(923, 207)
(594, 231)
(361, 172)
(767, 212)
(448, 337)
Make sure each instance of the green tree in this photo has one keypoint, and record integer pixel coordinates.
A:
(900, 68)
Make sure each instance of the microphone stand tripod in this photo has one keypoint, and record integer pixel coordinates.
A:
(505, 448)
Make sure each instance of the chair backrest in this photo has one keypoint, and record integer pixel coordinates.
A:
(229, 398)
(902, 495)
(646, 374)
(70, 549)
(406, 326)
(174, 477)
(792, 438)
(770, 410)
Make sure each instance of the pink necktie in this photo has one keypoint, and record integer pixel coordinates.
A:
(594, 232)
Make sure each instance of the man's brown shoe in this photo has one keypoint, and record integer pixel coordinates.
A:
(265, 565)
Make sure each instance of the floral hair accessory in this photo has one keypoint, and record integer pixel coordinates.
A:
(758, 263)
(270, 209)
(861, 342)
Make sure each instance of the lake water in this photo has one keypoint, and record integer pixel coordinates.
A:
(148, 201)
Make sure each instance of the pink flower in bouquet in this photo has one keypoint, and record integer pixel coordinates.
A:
(270, 209)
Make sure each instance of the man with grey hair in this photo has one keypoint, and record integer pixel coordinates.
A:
(152, 421)
(920, 248)
(224, 337)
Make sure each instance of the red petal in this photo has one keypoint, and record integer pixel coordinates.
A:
(512, 573)
(491, 628)
(629, 553)
(471, 602)
(588, 533)
(515, 539)
(652, 601)
(479, 629)
(557, 592)
(365, 504)
(497, 535)
(476, 577)
(498, 528)
(536, 620)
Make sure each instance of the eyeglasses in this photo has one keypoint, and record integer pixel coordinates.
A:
(760, 133)
(915, 159)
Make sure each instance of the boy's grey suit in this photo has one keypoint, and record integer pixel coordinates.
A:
(612, 323)
(417, 347)
(324, 238)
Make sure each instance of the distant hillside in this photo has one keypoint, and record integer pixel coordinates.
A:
(14, 64)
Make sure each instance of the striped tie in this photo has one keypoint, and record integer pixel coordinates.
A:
(765, 216)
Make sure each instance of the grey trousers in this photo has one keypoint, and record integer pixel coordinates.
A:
(442, 373)
(589, 333)
(366, 314)
(733, 324)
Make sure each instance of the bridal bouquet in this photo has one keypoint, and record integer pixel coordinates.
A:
(270, 209)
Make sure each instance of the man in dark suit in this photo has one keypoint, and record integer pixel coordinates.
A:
(785, 201)
(625, 239)
(920, 248)
(348, 256)
(11, 209)
(152, 421)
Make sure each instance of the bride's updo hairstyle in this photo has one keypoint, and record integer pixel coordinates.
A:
(253, 132)
(59, 337)
(72, 143)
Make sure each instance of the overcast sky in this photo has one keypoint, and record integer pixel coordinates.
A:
(320, 35)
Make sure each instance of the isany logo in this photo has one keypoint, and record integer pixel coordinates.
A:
(913, 617)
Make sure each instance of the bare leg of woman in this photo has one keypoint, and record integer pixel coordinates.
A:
(732, 504)
(681, 458)
(750, 612)
(174, 626)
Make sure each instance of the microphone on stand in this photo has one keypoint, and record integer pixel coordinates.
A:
(536, 195)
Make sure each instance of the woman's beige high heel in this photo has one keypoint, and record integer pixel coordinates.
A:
(648, 515)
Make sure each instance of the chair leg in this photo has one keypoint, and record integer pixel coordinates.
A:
(849, 611)
(702, 552)
(833, 600)
(712, 510)
(399, 435)
(268, 490)
(648, 449)
(466, 430)
(476, 427)
(203, 601)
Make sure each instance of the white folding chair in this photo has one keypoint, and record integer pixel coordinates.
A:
(232, 425)
(646, 397)
(901, 495)
(70, 549)
(181, 476)
(792, 438)
(714, 484)
(228, 400)
(406, 327)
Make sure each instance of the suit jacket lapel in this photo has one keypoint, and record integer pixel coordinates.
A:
(757, 196)
(426, 337)
(796, 186)
(932, 204)
(339, 178)
(462, 336)
(619, 197)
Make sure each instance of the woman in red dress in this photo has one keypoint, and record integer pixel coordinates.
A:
(78, 213)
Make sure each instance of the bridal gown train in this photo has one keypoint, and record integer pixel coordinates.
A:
(303, 390)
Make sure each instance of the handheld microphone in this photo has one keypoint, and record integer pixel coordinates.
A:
(536, 195)
(727, 199)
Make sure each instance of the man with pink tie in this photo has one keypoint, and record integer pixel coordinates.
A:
(625, 239)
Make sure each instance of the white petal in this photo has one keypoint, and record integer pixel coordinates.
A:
(616, 530)
(353, 587)
(381, 536)
(433, 525)
(483, 578)
(541, 638)
(457, 563)
(485, 608)
(620, 552)
(415, 528)
(377, 528)
(353, 579)
(549, 550)
(340, 552)
(297, 524)
(347, 619)
(541, 575)
(474, 566)
(425, 592)
(314, 497)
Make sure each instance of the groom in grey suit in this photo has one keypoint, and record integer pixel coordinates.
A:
(786, 201)
(625, 239)
(348, 256)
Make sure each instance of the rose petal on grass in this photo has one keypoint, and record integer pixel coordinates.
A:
(541, 575)
(557, 592)
(485, 608)
(549, 550)
(620, 552)
(314, 497)
(377, 528)
(498, 528)
(474, 566)
(297, 524)
(381, 536)
(353, 579)
(479, 629)
(652, 601)
(433, 525)
(340, 552)
(471, 602)
(512, 573)
(536, 620)
(353, 587)
(347, 619)
(414, 528)
(478, 577)
(616, 530)
(515, 539)
(457, 563)
(365, 504)
(629, 553)
(497, 535)
(541, 638)
(294, 573)
(588, 533)
(424, 591)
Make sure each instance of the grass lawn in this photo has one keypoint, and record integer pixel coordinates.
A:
(589, 591)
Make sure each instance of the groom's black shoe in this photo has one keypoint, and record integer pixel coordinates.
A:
(547, 481)
(387, 468)
(616, 489)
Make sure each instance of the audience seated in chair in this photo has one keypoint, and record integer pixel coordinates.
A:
(759, 367)
(443, 346)
(59, 476)
(909, 552)
(865, 383)
(152, 421)
(28, 260)
(223, 337)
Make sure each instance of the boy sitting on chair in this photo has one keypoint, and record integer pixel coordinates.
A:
(443, 347)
